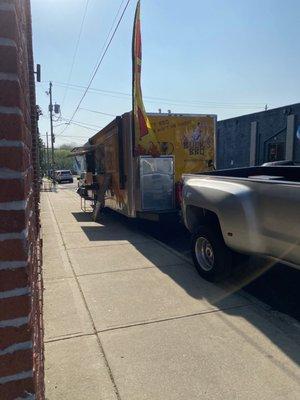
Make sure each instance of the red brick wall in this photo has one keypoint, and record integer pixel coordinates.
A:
(21, 329)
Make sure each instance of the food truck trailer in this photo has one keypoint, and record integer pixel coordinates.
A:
(120, 176)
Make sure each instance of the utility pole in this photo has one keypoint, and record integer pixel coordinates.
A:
(51, 125)
(47, 154)
(45, 171)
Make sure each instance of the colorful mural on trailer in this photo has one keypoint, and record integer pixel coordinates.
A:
(190, 138)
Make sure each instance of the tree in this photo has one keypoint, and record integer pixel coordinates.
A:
(42, 157)
(62, 156)
(68, 146)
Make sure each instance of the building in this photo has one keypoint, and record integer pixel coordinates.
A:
(257, 138)
(21, 325)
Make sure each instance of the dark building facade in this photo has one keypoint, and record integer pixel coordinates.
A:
(257, 138)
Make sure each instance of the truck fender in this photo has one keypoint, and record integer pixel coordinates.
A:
(230, 205)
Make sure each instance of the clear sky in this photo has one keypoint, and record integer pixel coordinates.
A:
(225, 57)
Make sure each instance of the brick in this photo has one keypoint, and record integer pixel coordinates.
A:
(10, 94)
(14, 307)
(14, 189)
(9, 59)
(12, 220)
(15, 158)
(16, 390)
(11, 127)
(8, 25)
(15, 363)
(13, 278)
(11, 335)
(13, 250)
(15, 24)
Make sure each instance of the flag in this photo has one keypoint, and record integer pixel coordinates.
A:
(145, 140)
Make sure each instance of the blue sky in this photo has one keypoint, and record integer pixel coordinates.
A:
(225, 57)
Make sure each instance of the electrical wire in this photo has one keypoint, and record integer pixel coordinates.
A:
(75, 51)
(78, 122)
(98, 64)
(96, 129)
(83, 123)
(98, 112)
(174, 102)
(71, 136)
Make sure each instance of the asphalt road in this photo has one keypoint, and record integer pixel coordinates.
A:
(276, 285)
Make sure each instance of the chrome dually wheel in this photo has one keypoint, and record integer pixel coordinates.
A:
(211, 256)
(204, 253)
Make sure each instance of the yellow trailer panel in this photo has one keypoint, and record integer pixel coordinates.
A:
(190, 138)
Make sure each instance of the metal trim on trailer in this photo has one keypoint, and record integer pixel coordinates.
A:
(121, 153)
(182, 115)
(131, 177)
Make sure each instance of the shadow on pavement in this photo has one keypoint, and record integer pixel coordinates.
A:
(103, 233)
(82, 216)
(280, 333)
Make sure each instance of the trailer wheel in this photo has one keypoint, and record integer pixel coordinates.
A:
(212, 258)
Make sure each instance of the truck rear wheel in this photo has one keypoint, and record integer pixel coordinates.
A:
(212, 258)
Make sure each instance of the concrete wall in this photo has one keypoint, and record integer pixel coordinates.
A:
(244, 141)
(21, 329)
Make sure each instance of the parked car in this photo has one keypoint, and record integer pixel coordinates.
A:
(63, 175)
(247, 210)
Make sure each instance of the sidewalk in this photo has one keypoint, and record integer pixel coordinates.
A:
(126, 318)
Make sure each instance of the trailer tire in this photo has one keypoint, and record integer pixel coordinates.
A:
(211, 256)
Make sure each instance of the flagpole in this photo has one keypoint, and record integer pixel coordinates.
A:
(133, 78)
(144, 138)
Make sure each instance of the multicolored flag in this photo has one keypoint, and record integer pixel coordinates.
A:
(145, 140)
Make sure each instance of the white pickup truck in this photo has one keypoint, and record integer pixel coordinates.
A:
(252, 210)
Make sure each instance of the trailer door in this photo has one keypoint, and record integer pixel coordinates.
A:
(157, 183)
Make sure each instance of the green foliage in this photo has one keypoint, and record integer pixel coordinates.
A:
(42, 157)
(68, 146)
(62, 161)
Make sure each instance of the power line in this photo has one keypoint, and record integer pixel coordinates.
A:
(76, 50)
(109, 33)
(96, 129)
(98, 112)
(99, 63)
(71, 136)
(152, 99)
(83, 123)
(78, 122)
(63, 84)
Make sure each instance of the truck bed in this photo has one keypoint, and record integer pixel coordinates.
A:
(257, 208)
(278, 173)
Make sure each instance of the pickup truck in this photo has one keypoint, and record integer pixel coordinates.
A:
(253, 211)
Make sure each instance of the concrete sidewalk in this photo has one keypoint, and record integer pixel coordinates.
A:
(127, 318)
